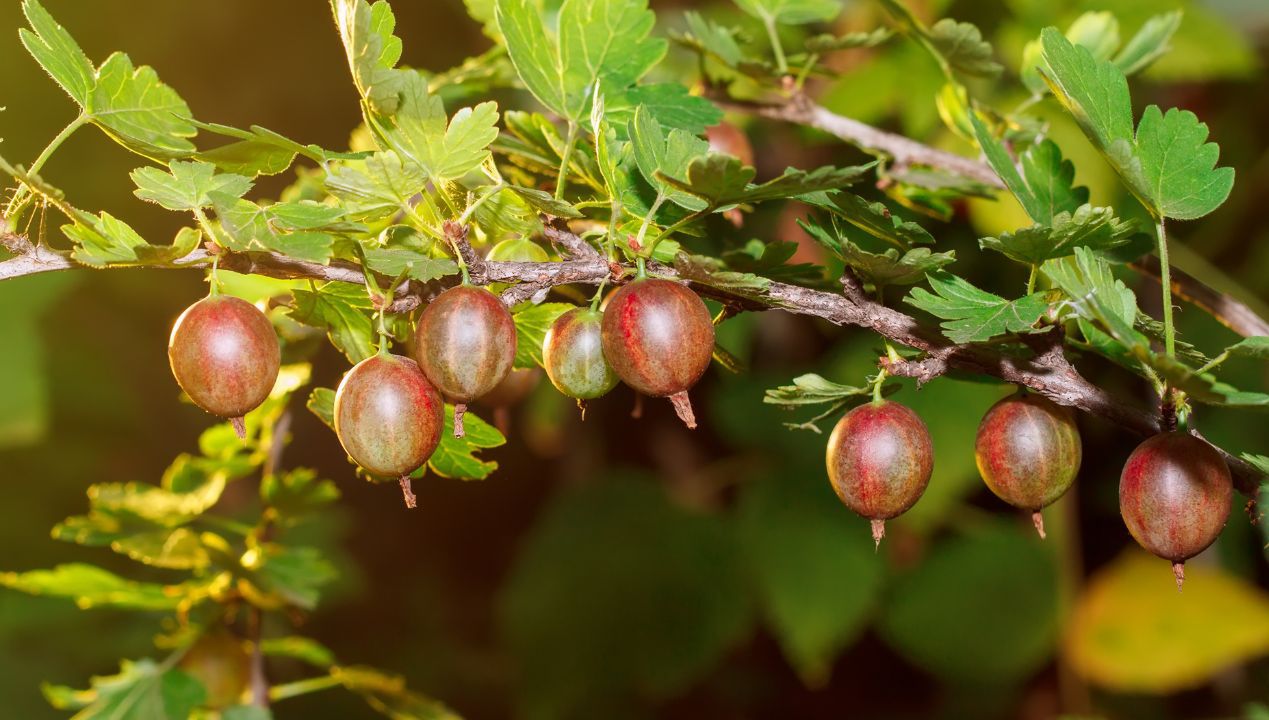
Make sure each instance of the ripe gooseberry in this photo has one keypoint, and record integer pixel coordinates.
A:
(225, 356)
(465, 344)
(1028, 451)
(1174, 495)
(659, 338)
(389, 417)
(880, 458)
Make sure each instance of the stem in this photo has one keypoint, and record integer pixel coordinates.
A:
(805, 71)
(599, 293)
(488, 193)
(303, 687)
(1165, 281)
(647, 220)
(569, 143)
(66, 132)
(666, 232)
(782, 64)
(1213, 363)
(1031, 279)
(876, 386)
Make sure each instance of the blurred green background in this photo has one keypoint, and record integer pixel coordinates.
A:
(631, 569)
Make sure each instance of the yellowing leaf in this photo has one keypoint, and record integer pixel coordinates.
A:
(1132, 632)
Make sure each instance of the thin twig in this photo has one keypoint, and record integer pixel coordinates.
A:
(905, 151)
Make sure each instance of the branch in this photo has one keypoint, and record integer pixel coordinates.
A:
(1228, 310)
(1045, 369)
(802, 110)
(905, 151)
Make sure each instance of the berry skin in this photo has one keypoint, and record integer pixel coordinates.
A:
(659, 338)
(573, 354)
(1174, 495)
(1028, 451)
(389, 417)
(218, 661)
(225, 356)
(880, 458)
(465, 344)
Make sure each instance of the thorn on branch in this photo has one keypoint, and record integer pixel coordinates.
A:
(457, 235)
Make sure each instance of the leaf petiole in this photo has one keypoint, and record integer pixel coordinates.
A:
(569, 143)
(16, 202)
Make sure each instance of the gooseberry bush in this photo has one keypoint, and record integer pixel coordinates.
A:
(594, 225)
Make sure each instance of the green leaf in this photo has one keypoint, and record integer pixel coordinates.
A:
(961, 44)
(658, 154)
(723, 181)
(1131, 633)
(1097, 31)
(104, 240)
(321, 402)
(297, 493)
(261, 151)
(1095, 228)
(186, 185)
(1044, 185)
(532, 322)
(1149, 44)
(130, 104)
(135, 108)
(602, 46)
(811, 389)
(873, 218)
(821, 44)
(456, 457)
(395, 261)
(1094, 92)
(792, 12)
(57, 52)
(176, 549)
(372, 49)
(891, 267)
(389, 696)
(939, 605)
(1097, 295)
(671, 104)
(1253, 347)
(1175, 167)
(445, 148)
(286, 574)
(344, 310)
(91, 586)
(973, 315)
(615, 564)
(714, 273)
(298, 648)
(143, 690)
(1168, 164)
(250, 227)
(817, 582)
(380, 186)
(771, 260)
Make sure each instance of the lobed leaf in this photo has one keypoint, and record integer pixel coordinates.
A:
(973, 315)
(186, 185)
